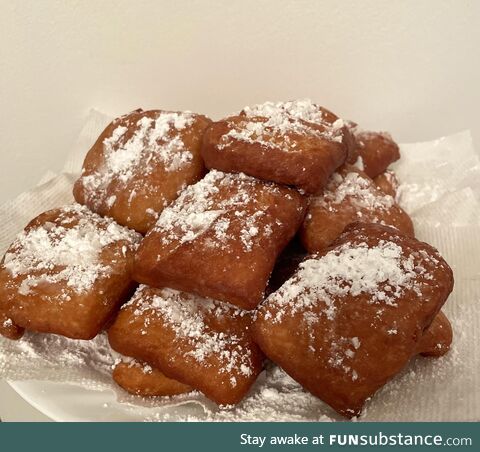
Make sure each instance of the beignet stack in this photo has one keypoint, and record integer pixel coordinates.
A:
(351, 298)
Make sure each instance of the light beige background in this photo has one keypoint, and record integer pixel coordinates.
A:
(411, 67)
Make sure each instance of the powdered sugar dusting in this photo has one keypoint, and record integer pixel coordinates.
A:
(188, 316)
(155, 142)
(342, 353)
(204, 205)
(382, 272)
(359, 190)
(278, 119)
(67, 250)
(131, 363)
(274, 397)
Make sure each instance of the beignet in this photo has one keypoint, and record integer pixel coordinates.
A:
(142, 379)
(350, 196)
(294, 143)
(140, 163)
(203, 343)
(220, 238)
(352, 316)
(68, 272)
(374, 152)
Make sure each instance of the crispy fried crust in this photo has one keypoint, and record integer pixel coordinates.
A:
(387, 182)
(437, 338)
(141, 379)
(76, 297)
(350, 196)
(139, 164)
(377, 151)
(199, 342)
(8, 329)
(343, 336)
(220, 238)
(276, 143)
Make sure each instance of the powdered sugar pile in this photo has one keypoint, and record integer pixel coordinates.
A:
(189, 316)
(359, 191)
(217, 201)
(382, 271)
(65, 251)
(155, 142)
(269, 120)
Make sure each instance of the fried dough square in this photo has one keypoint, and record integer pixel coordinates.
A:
(352, 316)
(67, 272)
(374, 152)
(294, 143)
(350, 196)
(141, 379)
(140, 163)
(220, 238)
(203, 343)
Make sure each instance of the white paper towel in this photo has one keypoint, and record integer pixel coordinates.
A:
(440, 189)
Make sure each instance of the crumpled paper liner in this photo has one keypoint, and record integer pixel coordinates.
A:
(440, 188)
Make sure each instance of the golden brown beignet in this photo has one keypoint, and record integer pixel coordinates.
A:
(142, 379)
(140, 163)
(220, 238)
(68, 272)
(294, 143)
(200, 342)
(352, 316)
(350, 196)
(437, 338)
(374, 152)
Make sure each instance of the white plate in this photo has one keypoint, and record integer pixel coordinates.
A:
(73, 403)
